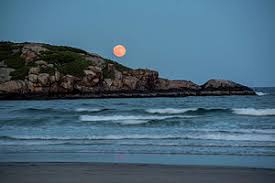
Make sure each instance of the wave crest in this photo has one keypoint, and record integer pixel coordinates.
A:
(261, 93)
(170, 110)
(254, 112)
(185, 110)
(196, 111)
(89, 110)
(129, 120)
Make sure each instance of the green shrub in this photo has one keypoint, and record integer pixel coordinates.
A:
(60, 57)
(4, 54)
(5, 50)
(64, 48)
(107, 73)
(74, 68)
(15, 61)
(20, 73)
(66, 59)
(48, 70)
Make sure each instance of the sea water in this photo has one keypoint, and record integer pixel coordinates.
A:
(161, 130)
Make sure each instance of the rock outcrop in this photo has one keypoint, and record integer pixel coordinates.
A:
(224, 87)
(34, 70)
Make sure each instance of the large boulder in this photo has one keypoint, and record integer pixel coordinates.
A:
(44, 79)
(215, 84)
(68, 82)
(130, 82)
(165, 84)
(92, 76)
(107, 82)
(33, 78)
(34, 70)
(225, 87)
(5, 74)
(13, 86)
(143, 79)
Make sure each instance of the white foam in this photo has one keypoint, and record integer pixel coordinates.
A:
(261, 93)
(254, 112)
(88, 110)
(170, 110)
(122, 118)
(132, 122)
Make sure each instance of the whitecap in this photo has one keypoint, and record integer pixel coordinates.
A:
(261, 93)
(122, 118)
(254, 112)
(88, 110)
(132, 122)
(170, 110)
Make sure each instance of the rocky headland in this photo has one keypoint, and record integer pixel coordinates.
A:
(43, 71)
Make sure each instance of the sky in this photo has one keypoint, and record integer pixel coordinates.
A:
(182, 39)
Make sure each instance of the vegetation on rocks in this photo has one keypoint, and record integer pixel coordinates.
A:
(20, 73)
(37, 69)
(65, 60)
(15, 61)
(108, 73)
(75, 68)
(60, 57)
(48, 70)
(6, 50)
(63, 48)
(118, 66)
(10, 54)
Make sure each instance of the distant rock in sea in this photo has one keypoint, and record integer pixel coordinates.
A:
(39, 71)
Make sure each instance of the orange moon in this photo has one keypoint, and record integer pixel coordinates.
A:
(119, 50)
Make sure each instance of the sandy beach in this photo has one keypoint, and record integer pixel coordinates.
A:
(134, 173)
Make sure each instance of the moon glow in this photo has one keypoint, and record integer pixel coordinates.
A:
(119, 50)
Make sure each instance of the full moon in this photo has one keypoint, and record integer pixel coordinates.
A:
(119, 50)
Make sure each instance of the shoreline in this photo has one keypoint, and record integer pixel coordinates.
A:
(164, 159)
(111, 95)
(125, 172)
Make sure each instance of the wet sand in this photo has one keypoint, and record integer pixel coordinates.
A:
(125, 173)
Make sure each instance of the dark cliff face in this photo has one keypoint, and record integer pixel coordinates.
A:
(34, 70)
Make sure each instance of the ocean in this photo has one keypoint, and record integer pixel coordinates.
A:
(136, 129)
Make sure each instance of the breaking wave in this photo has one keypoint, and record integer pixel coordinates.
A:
(185, 110)
(89, 110)
(129, 120)
(261, 93)
(254, 112)
(170, 110)
(197, 111)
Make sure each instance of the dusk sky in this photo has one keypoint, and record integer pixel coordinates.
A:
(182, 39)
